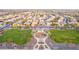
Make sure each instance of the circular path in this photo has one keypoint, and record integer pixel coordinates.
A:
(41, 44)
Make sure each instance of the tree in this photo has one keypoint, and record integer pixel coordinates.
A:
(14, 25)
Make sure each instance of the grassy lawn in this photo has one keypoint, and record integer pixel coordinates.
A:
(17, 36)
(66, 36)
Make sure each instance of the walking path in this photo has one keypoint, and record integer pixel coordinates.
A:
(41, 44)
(31, 44)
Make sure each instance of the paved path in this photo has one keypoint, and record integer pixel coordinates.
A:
(31, 44)
(49, 42)
(41, 44)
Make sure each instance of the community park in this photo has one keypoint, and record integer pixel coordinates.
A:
(39, 30)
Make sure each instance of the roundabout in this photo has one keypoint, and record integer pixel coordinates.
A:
(40, 35)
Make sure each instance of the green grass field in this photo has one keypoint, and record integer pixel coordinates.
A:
(64, 36)
(17, 36)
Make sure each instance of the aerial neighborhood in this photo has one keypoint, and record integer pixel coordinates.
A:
(39, 29)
